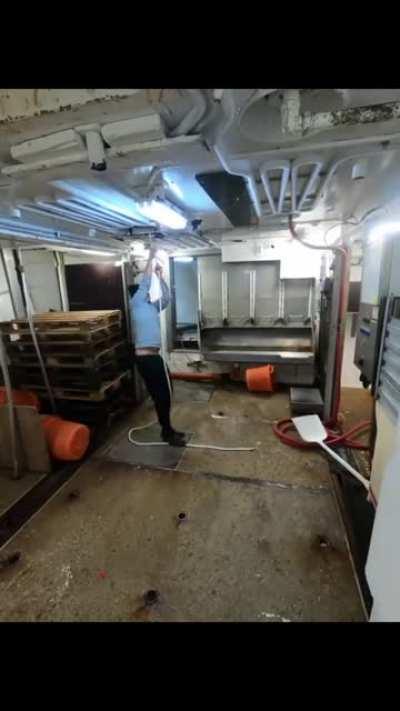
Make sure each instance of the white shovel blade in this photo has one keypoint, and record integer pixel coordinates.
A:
(310, 428)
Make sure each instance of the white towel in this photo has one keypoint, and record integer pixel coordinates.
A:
(155, 291)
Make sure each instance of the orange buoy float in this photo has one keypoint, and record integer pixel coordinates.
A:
(261, 380)
(67, 441)
(20, 397)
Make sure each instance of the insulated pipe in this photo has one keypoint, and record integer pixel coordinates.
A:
(194, 116)
(54, 210)
(59, 241)
(284, 166)
(102, 212)
(87, 212)
(247, 233)
(139, 220)
(82, 155)
(248, 175)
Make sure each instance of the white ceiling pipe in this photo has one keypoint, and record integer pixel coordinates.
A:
(284, 167)
(130, 221)
(82, 156)
(194, 116)
(45, 232)
(54, 241)
(310, 183)
(233, 113)
(300, 163)
(89, 214)
(62, 213)
(247, 233)
(81, 211)
(326, 145)
(82, 219)
(96, 150)
(268, 191)
(54, 162)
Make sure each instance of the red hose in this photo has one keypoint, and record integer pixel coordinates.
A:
(346, 439)
(196, 376)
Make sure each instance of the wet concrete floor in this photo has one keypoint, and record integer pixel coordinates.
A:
(259, 537)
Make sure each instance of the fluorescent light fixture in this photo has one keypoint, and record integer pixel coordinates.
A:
(379, 232)
(163, 214)
(184, 260)
(78, 250)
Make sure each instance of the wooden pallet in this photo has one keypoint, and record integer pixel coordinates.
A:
(70, 358)
(86, 394)
(70, 377)
(65, 323)
(53, 346)
(65, 318)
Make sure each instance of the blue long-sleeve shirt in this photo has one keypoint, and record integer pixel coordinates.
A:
(145, 317)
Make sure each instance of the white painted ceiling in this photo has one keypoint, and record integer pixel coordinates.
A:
(346, 126)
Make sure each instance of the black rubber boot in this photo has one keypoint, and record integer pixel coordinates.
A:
(174, 439)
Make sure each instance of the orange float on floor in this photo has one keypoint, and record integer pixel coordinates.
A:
(261, 380)
(67, 441)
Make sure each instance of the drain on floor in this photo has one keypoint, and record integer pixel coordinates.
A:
(181, 518)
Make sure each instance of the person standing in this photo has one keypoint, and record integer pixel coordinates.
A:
(145, 317)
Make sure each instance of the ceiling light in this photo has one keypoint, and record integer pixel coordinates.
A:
(183, 259)
(163, 214)
(94, 253)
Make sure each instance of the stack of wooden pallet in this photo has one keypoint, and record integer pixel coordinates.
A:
(85, 353)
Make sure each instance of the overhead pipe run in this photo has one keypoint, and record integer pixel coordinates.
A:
(194, 116)
(28, 233)
(99, 212)
(82, 156)
(52, 211)
(233, 113)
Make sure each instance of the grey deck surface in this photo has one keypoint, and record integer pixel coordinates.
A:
(262, 542)
(12, 489)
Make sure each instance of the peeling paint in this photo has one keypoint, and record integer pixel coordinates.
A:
(350, 117)
(17, 104)
(366, 114)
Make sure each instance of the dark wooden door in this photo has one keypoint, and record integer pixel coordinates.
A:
(95, 286)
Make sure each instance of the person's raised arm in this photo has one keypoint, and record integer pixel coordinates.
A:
(142, 293)
(149, 266)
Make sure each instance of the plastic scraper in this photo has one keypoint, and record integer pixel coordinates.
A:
(311, 429)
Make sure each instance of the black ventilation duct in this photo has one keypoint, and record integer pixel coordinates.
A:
(229, 192)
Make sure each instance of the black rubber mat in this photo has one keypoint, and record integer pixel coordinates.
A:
(192, 392)
(123, 451)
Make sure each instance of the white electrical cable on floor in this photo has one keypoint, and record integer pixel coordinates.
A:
(185, 446)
